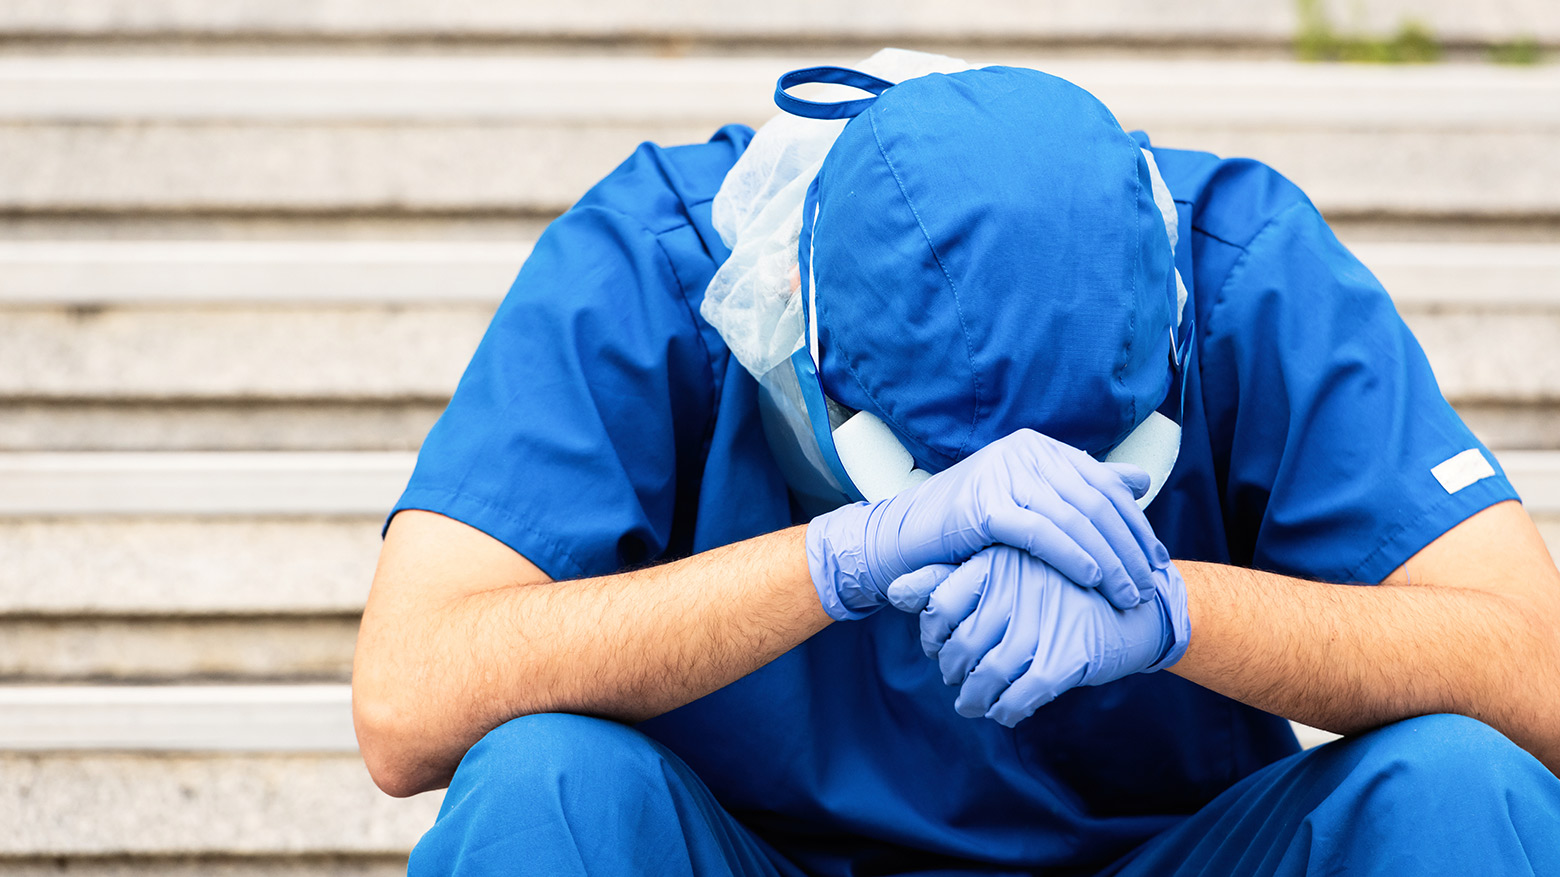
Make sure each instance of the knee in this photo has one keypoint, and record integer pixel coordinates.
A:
(524, 794)
(1443, 752)
(541, 754)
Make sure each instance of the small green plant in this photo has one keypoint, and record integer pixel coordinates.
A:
(1521, 51)
(1413, 44)
(1318, 40)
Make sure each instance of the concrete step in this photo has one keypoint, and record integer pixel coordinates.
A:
(112, 804)
(141, 424)
(177, 718)
(288, 648)
(235, 780)
(1501, 425)
(206, 866)
(1492, 357)
(106, 273)
(525, 136)
(63, 561)
(1220, 22)
(345, 345)
(1462, 275)
(393, 355)
(127, 583)
(192, 595)
(211, 274)
(231, 485)
(383, 354)
(266, 719)
(159, 567)
(126, 778)
(107, 486)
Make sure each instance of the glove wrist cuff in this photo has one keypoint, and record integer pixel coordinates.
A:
(838, 565)
(1171, 600)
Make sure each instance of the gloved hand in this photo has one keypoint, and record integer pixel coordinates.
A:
(1025, 490)
(1014, 633)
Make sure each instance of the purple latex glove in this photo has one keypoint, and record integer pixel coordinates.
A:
(1013, 633)
(1025, 490)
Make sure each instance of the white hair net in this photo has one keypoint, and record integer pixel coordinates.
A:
(1166, 205)
(758, 214)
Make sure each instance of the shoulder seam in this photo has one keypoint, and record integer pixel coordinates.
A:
(712, 401)
(1239, 267)
(707, 432)
(1228, 243)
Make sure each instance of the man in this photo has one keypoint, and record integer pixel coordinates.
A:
(982, 268)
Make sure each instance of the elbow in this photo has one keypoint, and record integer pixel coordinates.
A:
(387, 737)
(380, 731)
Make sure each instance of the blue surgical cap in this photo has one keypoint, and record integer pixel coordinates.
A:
(987, 256)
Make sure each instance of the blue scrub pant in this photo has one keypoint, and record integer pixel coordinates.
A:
(562, 795)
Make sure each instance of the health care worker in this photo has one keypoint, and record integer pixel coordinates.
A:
(958, 678)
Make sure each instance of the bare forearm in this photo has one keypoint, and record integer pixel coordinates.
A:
(1350, 658)
(635, 645)
(626, 646)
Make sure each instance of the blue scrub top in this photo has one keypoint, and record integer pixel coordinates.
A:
(602, 424)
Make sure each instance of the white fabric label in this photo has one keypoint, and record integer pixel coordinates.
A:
(1463, 470)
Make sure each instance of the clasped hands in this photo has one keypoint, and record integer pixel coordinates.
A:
(1031, 567)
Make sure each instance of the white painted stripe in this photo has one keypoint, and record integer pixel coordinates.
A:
(268, 718)
(122, 273)
(229, 718)
(1465, 274)
(1242, 94)
(354, 483)
(1536, 476)
(54, 484)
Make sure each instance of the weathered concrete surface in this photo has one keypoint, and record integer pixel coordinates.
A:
(233, 485)
(1533, 427)
(323, 167)
(530, 169)
(206, 273)
(369, 865)
(1492, 356)
(507, 168)
(118, 567)
(1465, 275)
(115, 805)
(1004, 20)
(209, 274)
(397, 354)
(387, 353)
(530, 135)
(345, 425)
(289, 648)
(141, 425)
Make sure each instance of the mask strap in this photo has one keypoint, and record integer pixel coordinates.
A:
(845, 109)
(1180, 362)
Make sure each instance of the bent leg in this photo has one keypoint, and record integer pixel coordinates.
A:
(1433, 795)
(561, 794)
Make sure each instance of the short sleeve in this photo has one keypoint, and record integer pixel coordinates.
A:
(580, 422)
(1344, 459)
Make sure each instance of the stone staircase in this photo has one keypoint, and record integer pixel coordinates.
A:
(246, 248)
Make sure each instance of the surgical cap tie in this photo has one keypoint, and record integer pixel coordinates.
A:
(828, 110)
